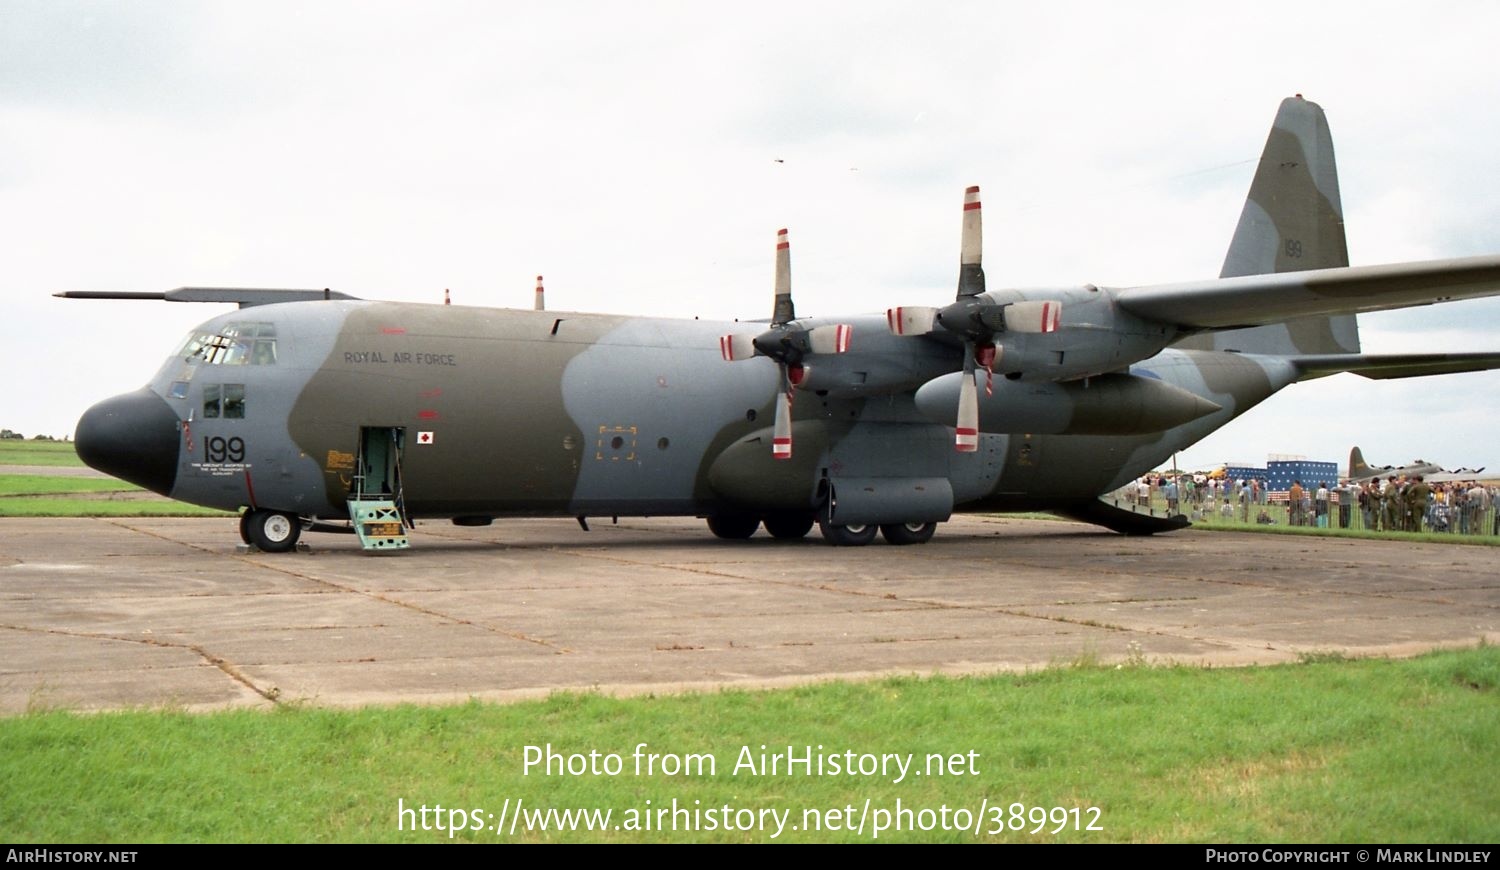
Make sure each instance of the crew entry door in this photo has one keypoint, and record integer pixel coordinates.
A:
(377, 505)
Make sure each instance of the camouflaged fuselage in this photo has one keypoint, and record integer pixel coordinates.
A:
(527, 413)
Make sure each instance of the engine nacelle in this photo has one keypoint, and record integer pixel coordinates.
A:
(1060, 334)
(1112, 404)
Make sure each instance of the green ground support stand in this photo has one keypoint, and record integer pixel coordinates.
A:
(378, 524)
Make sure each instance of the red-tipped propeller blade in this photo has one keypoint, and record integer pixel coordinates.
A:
(781, 436)
(966, 434)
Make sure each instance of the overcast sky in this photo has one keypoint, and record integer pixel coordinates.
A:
(641, 157)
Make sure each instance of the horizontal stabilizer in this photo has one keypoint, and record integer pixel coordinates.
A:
(1255, 300)
(1401, 365)
(244, 297)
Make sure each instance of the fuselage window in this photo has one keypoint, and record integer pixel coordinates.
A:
(234, 401)
(224, 400)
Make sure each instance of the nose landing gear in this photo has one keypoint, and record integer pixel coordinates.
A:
(270, 531)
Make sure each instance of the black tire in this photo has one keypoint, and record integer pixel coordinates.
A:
(788, 526)
(733, 527)
(902, 534)
(245, 526)
(847, 536)
(273, 531)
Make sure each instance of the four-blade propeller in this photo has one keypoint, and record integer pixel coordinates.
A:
(977, 319)
(788, 343)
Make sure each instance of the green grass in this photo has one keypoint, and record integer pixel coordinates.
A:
(42, 484)
(37, 495)
(13, 452)
(26, 506)
(1323, 751)
(1220, 524)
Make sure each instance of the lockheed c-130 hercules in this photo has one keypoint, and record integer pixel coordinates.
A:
(306, 408)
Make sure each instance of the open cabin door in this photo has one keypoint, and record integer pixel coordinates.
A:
(377, 505)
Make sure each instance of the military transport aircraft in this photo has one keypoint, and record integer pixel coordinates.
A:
(309, 408)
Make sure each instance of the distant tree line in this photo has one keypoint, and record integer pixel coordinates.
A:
(8, 435)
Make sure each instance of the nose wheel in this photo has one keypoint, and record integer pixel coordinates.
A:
(270, 531)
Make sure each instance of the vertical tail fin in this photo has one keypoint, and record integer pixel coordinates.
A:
(1358, 469)
(1292, 220)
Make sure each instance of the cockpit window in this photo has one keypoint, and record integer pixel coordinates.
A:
(236, 344)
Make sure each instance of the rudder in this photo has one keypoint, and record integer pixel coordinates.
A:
(1293, 220)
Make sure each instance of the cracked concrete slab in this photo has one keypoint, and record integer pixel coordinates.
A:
(109, 613)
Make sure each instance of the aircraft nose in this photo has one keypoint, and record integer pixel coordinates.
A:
(133, 436)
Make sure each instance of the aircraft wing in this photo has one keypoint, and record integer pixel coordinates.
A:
(1462, 476)
(1256, 300)
(1400, 365)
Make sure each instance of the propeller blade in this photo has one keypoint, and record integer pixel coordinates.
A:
(830, 339)
(970, 272)
(920, 320)
(781, 437)
(737, 346)
(1033, 316)
(966, 438)
(966, 434)
(783, 311)
(541, 299)
(911, 319)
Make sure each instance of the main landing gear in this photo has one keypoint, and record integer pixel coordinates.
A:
(785, 526)
(270, 531)
(902, 534)
(899, 534)
(788, 526)
(847, 536)
(795, 525)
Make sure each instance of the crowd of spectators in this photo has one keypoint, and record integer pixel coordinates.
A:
(1390, 504)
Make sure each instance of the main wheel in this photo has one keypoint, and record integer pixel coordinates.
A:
(847, 536)
(788, 526)
(901, 534)
(733, 527)
(272, 531)
(245, 527)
